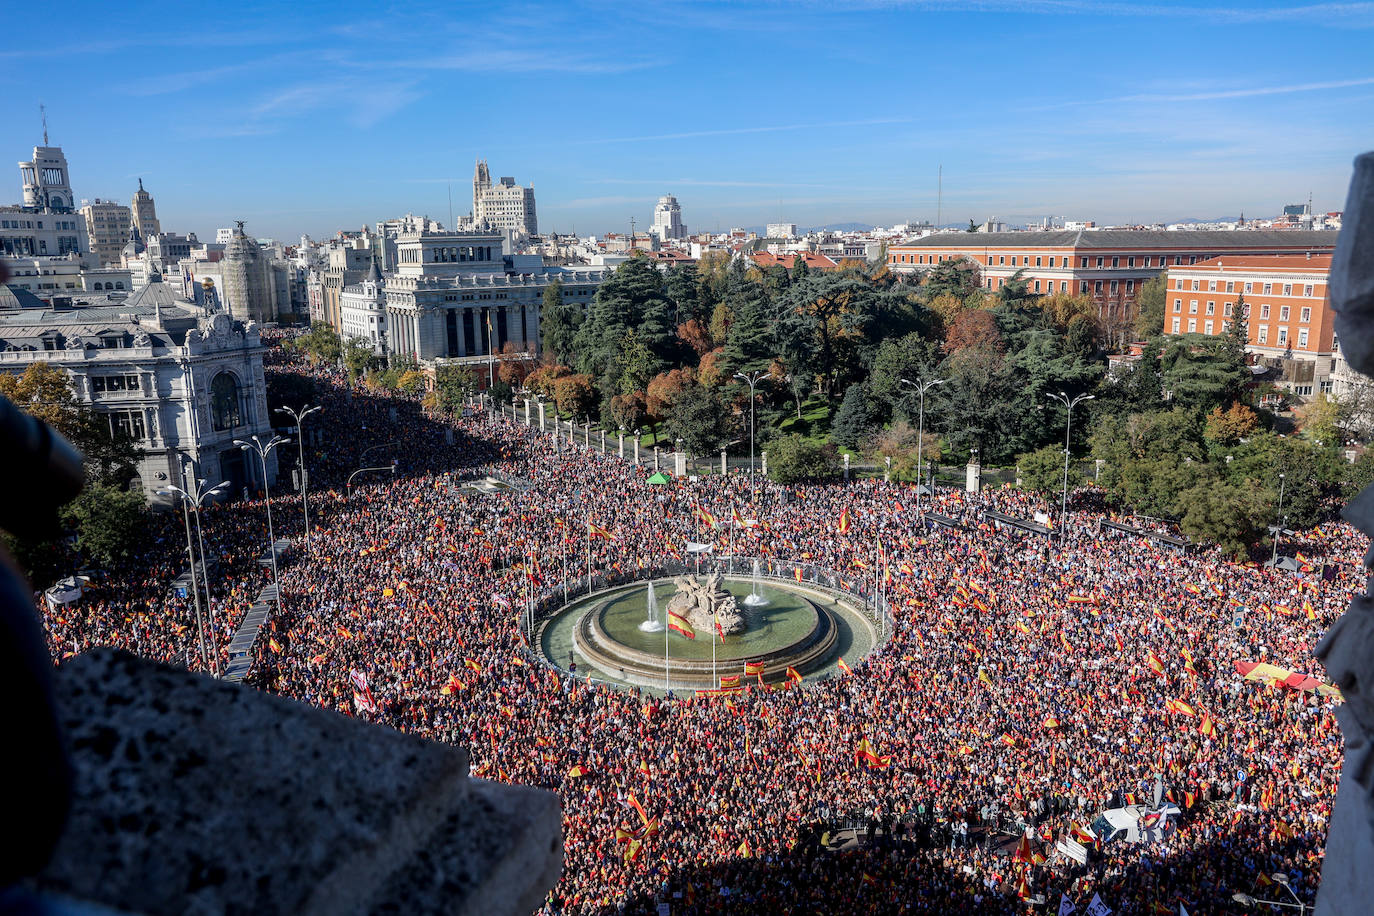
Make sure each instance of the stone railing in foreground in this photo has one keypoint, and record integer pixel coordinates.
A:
(196, 796)
(1347, 650)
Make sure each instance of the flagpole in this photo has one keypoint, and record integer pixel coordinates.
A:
(665, 656)
(715, 625)
(589, 554)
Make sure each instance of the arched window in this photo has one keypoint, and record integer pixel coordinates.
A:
(119, 284)
(224, 402)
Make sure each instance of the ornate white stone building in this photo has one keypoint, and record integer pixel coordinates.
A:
(183, 382)
(455, 296)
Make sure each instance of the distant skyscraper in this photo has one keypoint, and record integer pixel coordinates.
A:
(505, 205)
(668, 219)
(144, 213)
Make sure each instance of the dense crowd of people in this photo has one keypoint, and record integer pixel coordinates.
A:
(1026, 684)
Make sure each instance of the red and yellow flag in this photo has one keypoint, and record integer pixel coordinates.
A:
(843, 666)
(577, 772)
(843, 525)
(596, 531)
(678, 624)
(1155, 662)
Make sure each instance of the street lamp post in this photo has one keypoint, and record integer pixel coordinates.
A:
(1069, 405)
(753, 379)
(263, 450)
(197, 497)
(1278, 524)
(921, 388)
(299, 416)
(1281, 879)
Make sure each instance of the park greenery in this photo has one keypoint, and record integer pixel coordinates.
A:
(1177, 430)
(107, 515)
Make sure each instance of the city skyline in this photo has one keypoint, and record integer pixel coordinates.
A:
(314, 120)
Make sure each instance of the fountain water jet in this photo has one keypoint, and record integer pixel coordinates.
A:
(756, 598)
(652, 623)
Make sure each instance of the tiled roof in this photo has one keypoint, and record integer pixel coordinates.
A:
(1318, 262)
(767, 259)
(1214, 239)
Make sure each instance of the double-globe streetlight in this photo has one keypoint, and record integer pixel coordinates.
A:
(299, 416)
(263, 450)
(1069, 405)
(197, 497)
(921, 387)
(753, 379)
(1281, 879)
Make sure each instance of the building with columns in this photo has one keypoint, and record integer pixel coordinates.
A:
(181, 380)
(455, 296)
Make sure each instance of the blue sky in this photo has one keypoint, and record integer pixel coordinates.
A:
(313, 117)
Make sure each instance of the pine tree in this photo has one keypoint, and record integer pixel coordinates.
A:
(852, 420)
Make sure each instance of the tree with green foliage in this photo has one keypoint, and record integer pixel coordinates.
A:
(1221, 513)
(452, 386)
(700, 419)
(957, 277)
(852, 423)
(320, 344)
(559, 322)
(1042, 471)
(1015, 292)
(574, 395)
(1237, 333)
(912, 357)
(795, 459)
(749, 343)
(1203, 372)
(108, 521)
(1150, 302)
(683, 287)
(357, 356)
(621, 304)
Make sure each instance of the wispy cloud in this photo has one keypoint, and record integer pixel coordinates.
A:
(1329, 14)
(1211, 95)
(733, 131)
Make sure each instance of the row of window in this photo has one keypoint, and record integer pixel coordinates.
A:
(114, 383)
(1066, 261)
(1268, 289)
(1305, 314)
(1261, 332)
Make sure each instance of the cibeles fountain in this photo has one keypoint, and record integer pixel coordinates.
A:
(691, 632)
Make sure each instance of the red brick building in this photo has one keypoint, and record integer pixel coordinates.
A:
(1107, 265)
(813, 261)
(1290, 323)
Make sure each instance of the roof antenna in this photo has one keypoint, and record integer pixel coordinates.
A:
(43, 112)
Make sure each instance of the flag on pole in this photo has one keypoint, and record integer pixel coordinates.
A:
(843, 666)
(679, 624)
(753, 669)
(843, 525)
(596, 531)
(793, 674)
(1156, 664)
(577, 772)
(729, 680)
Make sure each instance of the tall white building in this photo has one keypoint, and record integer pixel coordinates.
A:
(782, 230)
(504, 206)
(668, 219)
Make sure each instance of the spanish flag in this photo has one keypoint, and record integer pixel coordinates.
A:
(452, 685)
(1081, 833)
(1207, 727)
(843, 525)
(643, 767)
(865, 753)
(753, 669)
(1051, 722)
(272, 642)
(1008, 740)
(578, 772)
(793, 674)
(798, 573)
(729, 680)
(679, 624)
(1155, 663)
(344, 632)
(843, 666)
(596, 531)
(469, 663)
(743, 850)
(639, 809)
